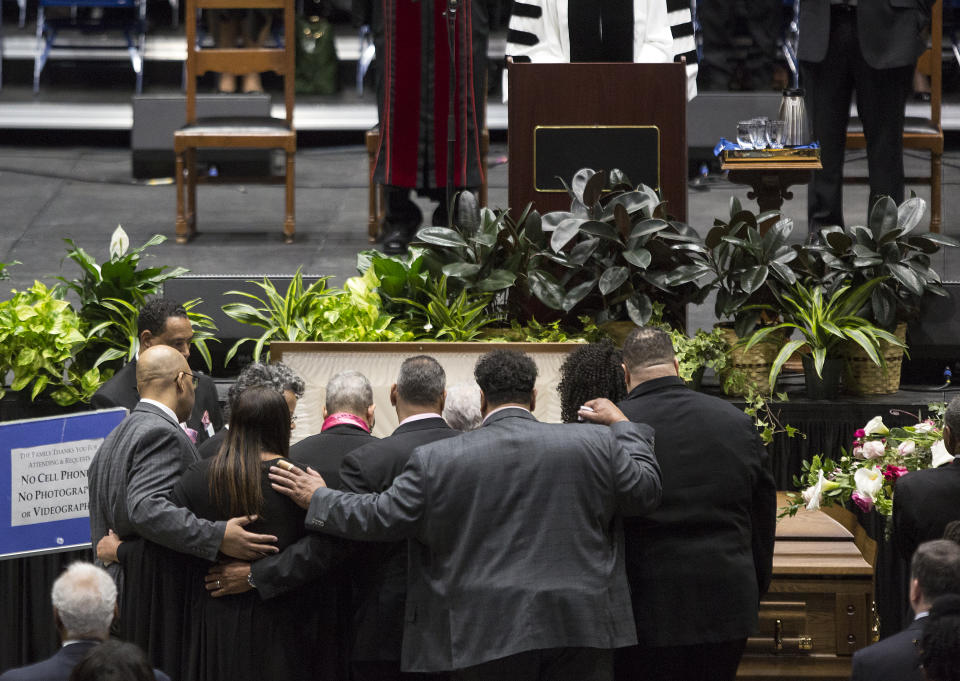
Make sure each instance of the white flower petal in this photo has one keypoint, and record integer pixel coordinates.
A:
(940, 454)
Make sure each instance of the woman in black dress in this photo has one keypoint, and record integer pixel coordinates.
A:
(241, 636)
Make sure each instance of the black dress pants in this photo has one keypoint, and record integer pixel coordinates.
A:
(881, 96)
(554, 664)
(700, 662)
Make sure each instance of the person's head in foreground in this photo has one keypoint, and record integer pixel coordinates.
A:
(84, 602)
(506, 377)
(113, 661)
(940, 644)
(590, 371)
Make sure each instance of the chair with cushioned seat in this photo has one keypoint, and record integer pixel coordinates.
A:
(925, 134)
(236, 133)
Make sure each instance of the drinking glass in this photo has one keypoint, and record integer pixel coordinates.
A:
(775, 133)
(758, 132)
(745, 135)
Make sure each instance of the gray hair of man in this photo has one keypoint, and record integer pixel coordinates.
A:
(936, 567)
(647, 346)
(461, 411)
(349, 391)
(421, 381)
(277, 376)
(85, 598)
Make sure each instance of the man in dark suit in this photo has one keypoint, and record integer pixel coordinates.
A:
(347, 420)
(871, 48)
(130, 480)
(925, 501)
(84, 602)
(698, 565)
(380, 572)
(164, 322)
(516, 559)
(934, 572)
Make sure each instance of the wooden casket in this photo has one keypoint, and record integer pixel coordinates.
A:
(818, 610)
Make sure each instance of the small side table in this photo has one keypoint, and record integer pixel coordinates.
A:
(770, 179)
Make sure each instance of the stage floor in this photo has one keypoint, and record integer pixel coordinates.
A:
(83, 193)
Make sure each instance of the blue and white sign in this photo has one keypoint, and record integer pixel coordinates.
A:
(43, 480)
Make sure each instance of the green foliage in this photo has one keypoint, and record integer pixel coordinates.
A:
(39, 334)
(887, 247)
(451, 317)
(313, 313)
(700, 351)
(111, 295)
(3, 269)
(823, 323)
(747, 268)
(608, 257)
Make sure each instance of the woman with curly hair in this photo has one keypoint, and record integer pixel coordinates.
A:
(590, 371)
(940, 645)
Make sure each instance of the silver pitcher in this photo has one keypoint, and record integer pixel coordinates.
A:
(793, 113)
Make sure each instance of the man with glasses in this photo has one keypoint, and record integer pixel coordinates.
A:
(130, 480)
(165, 322)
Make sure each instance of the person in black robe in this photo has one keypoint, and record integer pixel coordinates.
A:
(413, 90)
(241, 636)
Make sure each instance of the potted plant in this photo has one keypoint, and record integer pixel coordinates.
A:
(824, 322)
(609, 256)
(748, 262)
(888, 248)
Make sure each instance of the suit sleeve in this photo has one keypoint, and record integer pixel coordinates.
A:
(763, 517)
(905, 532)
(308, 559)
(101, 400)
(635, 469)
(154, 470)
(389, 516)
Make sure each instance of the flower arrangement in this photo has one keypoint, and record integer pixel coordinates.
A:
(865, 477)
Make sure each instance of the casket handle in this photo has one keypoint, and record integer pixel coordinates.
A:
(778, 635)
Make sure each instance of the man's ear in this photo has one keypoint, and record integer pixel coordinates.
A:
(483, 403)
(676, 365)
(370, 417)
(442, 403)
(533, 399)
(948, 440)
(393, 395)
(146, 339)
(626, 376)
(323, 412)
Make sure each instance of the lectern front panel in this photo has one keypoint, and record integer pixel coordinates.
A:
(560, 151)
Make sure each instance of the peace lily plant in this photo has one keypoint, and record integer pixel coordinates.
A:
(866, 476)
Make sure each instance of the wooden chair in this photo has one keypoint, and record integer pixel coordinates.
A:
(377, 207)
(921, 133)
(243, 133)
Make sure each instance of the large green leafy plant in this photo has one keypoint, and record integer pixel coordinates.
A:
(110, 295)
(823, 323)
(39, 336)
(747, 260)
(609, 256)
(888, 247)
(313, 313)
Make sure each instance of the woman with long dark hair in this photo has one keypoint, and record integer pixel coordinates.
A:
(242, 636)
(590, 371)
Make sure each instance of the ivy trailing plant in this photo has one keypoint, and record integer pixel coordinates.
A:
(39, 336)
(608, 257)
(110, 295)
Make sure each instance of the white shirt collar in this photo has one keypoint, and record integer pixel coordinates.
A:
(509, 406)
(420, 417)
(164, 408)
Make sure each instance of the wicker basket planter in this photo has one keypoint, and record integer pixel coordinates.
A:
(863, 377)
(756, 362)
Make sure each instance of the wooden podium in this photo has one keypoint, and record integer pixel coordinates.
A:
(563, 117)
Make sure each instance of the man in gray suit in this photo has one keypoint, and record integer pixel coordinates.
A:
(516, 566)
(871, 47)
(130, 480)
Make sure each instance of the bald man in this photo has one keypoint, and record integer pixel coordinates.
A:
(130, 481)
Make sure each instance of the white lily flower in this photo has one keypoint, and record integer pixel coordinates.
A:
(940, 454)
(119, 243)
(873, 449)
(869, 481)
(875, 427)
(923, 427)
